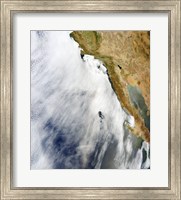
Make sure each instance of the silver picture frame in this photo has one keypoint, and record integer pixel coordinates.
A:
(8, 9)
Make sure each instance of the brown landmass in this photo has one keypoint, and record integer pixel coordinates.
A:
(126, 55)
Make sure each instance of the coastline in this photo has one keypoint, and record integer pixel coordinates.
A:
(130, 70)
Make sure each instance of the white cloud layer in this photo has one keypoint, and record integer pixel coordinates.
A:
(76, 118)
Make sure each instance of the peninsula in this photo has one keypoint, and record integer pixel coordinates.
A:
(126, 55)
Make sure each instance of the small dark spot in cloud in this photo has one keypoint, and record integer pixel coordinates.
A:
(82, 55)
(101, 115)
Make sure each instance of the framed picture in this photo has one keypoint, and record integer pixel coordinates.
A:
(90, 99)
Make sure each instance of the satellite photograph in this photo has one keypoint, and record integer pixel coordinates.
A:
(90, 99)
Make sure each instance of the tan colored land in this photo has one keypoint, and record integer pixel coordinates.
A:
(126, 55)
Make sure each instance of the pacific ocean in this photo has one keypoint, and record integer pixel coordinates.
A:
(77, 121)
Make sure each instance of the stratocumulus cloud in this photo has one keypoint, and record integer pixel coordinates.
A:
(76, 118)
